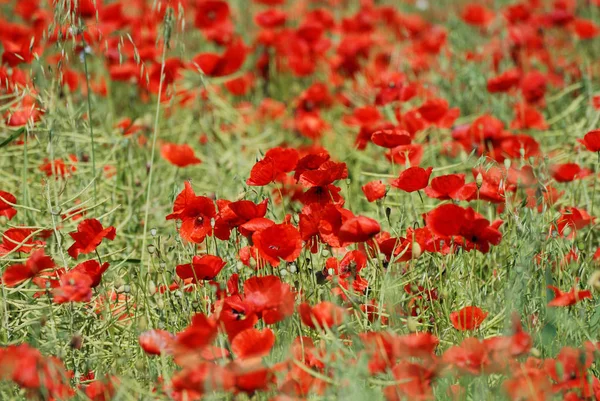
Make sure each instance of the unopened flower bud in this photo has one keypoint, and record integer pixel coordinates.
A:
(594, 280)
(479, 180)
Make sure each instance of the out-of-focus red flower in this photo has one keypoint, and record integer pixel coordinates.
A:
(568, 172)
(211, 13)
(179, 155)
(323, 315)
(591, 141)
(230, 61)
(252, 343)
(18, 239)
(75, 286)
(585, 29)
(477, 15)
(468, 318)
(7, 210)
(390, 138)
(37, 262)
(156, 342)
(568, 298)
(504, 82)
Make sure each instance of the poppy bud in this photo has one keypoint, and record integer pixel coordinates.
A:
(412, 324)
(151, 287)
(535, 352)
(416, 250)
(507, 163)
(153, 232)
(479, 180)
(151, 249)
(594, 280)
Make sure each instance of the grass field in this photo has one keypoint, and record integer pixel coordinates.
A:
(288, 200)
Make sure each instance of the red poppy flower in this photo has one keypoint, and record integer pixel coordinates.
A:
(568, 298)
(179, 155)
(269, 297)
(18, 240)
(573, 218)
(34, 372)
(7, 210)
(229, 62)
(504, 82)
(37, 262)
(88, 236)
(102, 390)
(413, 179)
(358, 229)
(75, 286)
(93, 269)
(58, 167)
(374, 190)
(323, 315)
(477, 15)
(211, 13)
(406, 154)
(528, 383)
(195, 213)
(252, 343)
(446, 220)
(277, 161)
(470, 357)
(591, 141)
(270, 18)
(415, 382)
(585, 29)
(205, 267)
(433, 110)
(200, 333)
(240, 86)
(468, 318)
(278, 242)
(533, 86)
(203, 377)
(242, 214)
(390, 138)
(325, 174)
(156, 342)
(528, 117)
(568, 172)
(451, 186)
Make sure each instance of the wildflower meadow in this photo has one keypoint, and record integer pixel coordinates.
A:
(291, 200)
